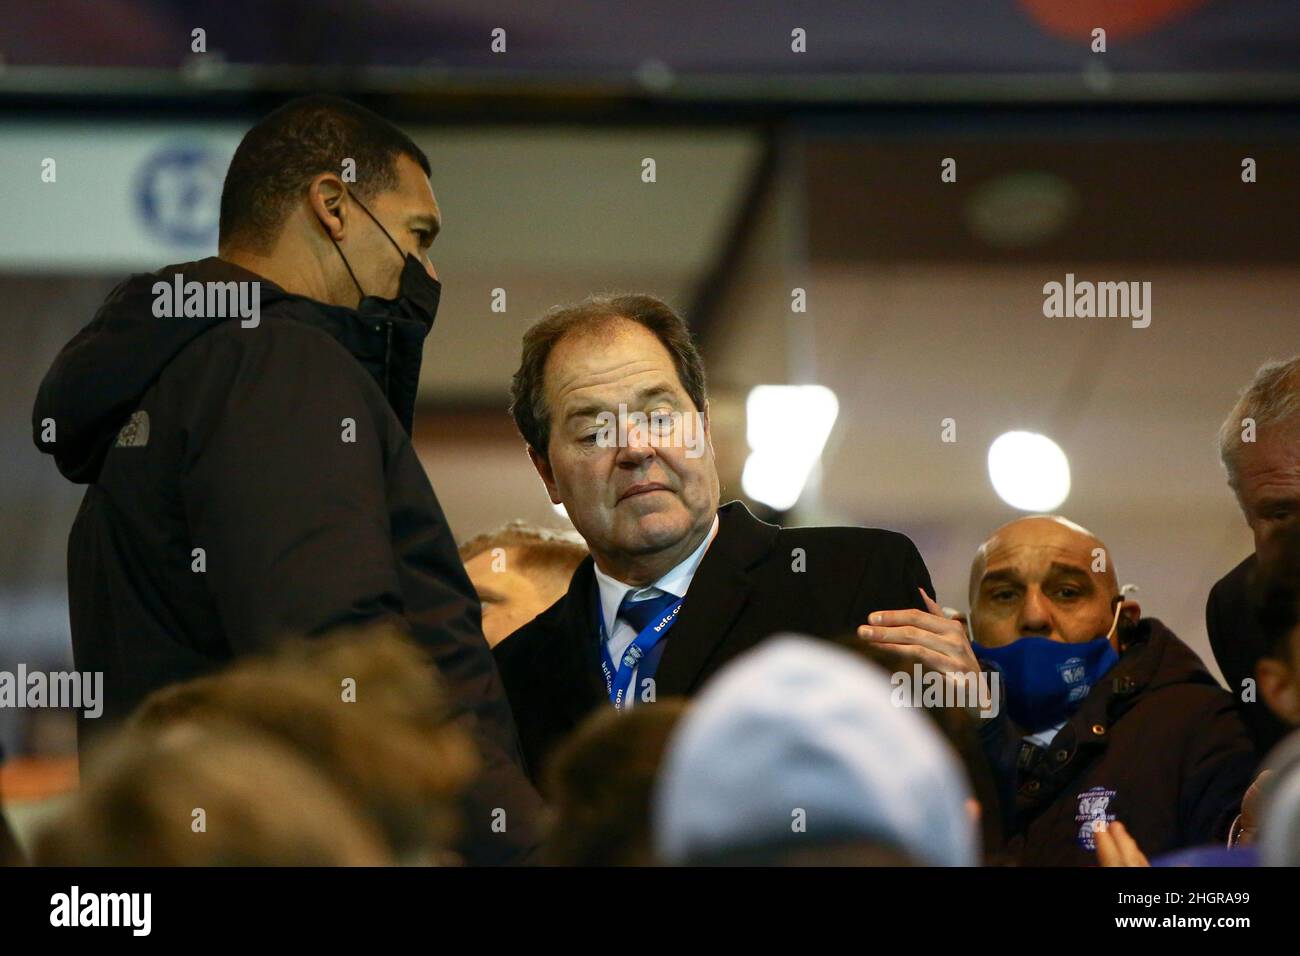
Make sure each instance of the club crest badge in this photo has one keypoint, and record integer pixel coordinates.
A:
(1094, 804)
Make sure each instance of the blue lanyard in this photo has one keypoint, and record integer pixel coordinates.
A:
(640, 650)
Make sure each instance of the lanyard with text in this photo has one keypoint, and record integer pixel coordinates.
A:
(618, 681)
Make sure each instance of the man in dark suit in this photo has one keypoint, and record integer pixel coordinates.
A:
(610, 398)
(1259, 445)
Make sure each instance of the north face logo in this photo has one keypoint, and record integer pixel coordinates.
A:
(135, 433)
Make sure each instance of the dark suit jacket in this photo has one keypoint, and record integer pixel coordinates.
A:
(1238, 645)
(745, 589)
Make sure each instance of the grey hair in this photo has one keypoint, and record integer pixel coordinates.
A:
(1272, 399)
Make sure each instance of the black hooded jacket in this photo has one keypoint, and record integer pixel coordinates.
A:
(246, 483)
(1156, 744)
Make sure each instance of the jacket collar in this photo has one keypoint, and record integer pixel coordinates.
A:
(1154, 658)
(567, 651)
(390, 348)
(721, 589)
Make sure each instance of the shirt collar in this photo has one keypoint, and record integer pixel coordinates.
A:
(1043, 739)
(675, 582)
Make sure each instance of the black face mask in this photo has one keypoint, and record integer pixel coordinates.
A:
(418, 292)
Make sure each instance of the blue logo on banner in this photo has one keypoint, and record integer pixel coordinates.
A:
(178, 193)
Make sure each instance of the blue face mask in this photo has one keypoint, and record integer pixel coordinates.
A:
(1047, 680)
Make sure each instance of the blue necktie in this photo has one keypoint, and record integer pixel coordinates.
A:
(640, 614)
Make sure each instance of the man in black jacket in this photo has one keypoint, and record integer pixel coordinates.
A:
(243, 426)
(610, 398)
(1111, 716)
(1259, 445)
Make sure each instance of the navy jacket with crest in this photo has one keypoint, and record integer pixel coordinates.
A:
(1157, 744)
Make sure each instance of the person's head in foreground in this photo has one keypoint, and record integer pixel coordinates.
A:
(600, 783)
(214, 795)
(365, 708)
(795, 754)
(610, 398)
(1275, 600)
(959, 725)
(1043, 594)
(1279, 815)
(1259, 445)
(519, 570)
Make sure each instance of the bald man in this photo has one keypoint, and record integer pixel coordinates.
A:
(1116, 717)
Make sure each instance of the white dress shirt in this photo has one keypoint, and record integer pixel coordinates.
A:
(619, 633)
(1043, 739)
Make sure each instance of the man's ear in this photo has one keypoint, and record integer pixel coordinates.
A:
(1131, 611)
(1277, 687)
(547, 475)
(326, 195)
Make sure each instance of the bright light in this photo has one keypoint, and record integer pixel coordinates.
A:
(562, 511)
(1029, 471)
(787, 427)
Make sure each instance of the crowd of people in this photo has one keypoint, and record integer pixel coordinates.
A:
(301, 667)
